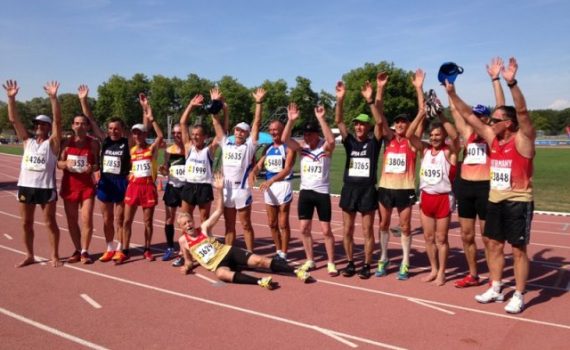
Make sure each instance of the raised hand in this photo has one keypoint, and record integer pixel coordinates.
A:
(320, 112)
(450, 88)
(258, 95)
(381, 80)
(495, 67)
(293, 112)
(216, 94)
(510, 71)
(11, 88)
(367, 91)
(147, 111)
(197, 101)
(83, 91)
(418, 78)
(340, 90)
(51, 88)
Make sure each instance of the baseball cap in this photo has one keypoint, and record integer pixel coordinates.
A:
(42, 118)
(402, 116)
(481, 111)
(139, 127)
(448, 71)
(244, 126)
(311, 127)
(363, 118)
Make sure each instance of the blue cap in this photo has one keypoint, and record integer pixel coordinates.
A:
(449, 71)
(481, 111)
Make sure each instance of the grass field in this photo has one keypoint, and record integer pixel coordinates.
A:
(551, 175)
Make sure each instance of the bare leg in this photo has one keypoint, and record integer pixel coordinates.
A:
(148, 214)
(205, 211)
(87, 222)
(521, 267)
(284, 227)
(442, 243)
(107, 210)
(405, 225)
(130, 212)
(51, 223)
(368, 233)
(27, 215)
(469, 245)
(230, 219)
(72, 216)
(496, 259)
(245, 220)
(428, 225)
(329, 240)
(272, 219)
(348, 237)
(306, 226)
(384, 233)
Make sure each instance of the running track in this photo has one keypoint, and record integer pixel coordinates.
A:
(151, 305)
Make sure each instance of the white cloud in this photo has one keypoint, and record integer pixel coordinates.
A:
(559, 104)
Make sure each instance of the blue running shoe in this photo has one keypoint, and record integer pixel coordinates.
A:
(168, 254)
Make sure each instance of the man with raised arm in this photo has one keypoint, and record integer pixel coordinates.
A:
(36, 183)
(359, 194)
(315, 154)
(510, 137)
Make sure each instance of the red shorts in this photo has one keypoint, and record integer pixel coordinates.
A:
(77, 194)
(437, 206)
(141, 194)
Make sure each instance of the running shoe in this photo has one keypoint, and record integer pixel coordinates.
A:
(467, 281)
(381, 269)
(349, 270)
(148, 255)
(120, 258)
(516, 304)
(491, 295)
(178, 262)
(266, 282)
(107, 256)
(302, 274)
(168, 254)
(403, 274)
(364, 272)
(86, 259)
(331, 269)
(308, 265)
(75, 257)
(282, 255)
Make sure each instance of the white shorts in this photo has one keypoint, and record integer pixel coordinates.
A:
(238, 198)
(279, 193)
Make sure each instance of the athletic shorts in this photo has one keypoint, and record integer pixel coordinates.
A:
(278, 193)
(309, 200)
(472, 198)
(141, 194)
(112, 189)
(358, 198)
(437, 206)
(509, 221)
(172, 196)
(77, 193)
(238, 198)
(30, 195)
(396, 198)
(197, 194)
(234, 258)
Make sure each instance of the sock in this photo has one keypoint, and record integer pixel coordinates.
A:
(496, 286)
(119, 246)
(242, 278)
(406, 245)
(110, 246)
(83, 251)
(518, 295)
(278, 265)
(384, 237)
(169, 232)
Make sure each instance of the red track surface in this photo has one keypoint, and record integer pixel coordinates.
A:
(151, 305)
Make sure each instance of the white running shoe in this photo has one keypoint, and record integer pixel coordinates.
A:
(515, 305)
(490, 296)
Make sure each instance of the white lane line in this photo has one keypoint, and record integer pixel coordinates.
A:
(90, 301)
(8, 236)
(206, 278)
(222, 305)
(52, 330)
(414, 300)
(335, 337)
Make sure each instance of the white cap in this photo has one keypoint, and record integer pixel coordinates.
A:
(140, 127)
(43, 118)
(244, 126)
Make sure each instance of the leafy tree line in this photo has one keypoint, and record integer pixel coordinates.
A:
(118, 96)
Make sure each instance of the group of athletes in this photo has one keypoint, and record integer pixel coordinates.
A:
(120, 169)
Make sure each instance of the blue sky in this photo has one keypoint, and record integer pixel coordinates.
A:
(86, 41)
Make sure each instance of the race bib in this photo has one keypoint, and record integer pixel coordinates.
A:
(196, 172)
(111, 164)
(206, 251)
(500, 178)
(359, 167)
(431, 174)
(233, 157)
(274, 163)
(395, 163)
(142, 168)
(177, 172)
(77, 164)
(312, 171)
(35, 162)
(475, 153)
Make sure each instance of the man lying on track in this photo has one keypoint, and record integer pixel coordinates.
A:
(198, 244)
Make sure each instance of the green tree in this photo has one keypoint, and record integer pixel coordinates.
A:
(163, 99)
(238, 98)
(70, 107)
(276, 101)
(118, 97)
(187, 89)
(305, 98)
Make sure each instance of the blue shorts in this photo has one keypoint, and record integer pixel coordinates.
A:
(112, 189)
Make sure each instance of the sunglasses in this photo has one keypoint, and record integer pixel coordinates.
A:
(496, 121)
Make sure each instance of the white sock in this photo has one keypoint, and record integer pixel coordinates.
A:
(110, 246)
(384, 238)
(406, 246)
(119, 246)
(83, 251)
(496, 286)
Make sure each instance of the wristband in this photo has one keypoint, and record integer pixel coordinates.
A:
(495, 79)
(258, 103)
(369, 103)
(513, 83)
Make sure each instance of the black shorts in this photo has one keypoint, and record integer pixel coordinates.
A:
(472, 198)
(197, 194)
(358, 198)
(172, 196)
(309, 200)
(30, 195)
(509, 221)
(234, 258)
(396, 198)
